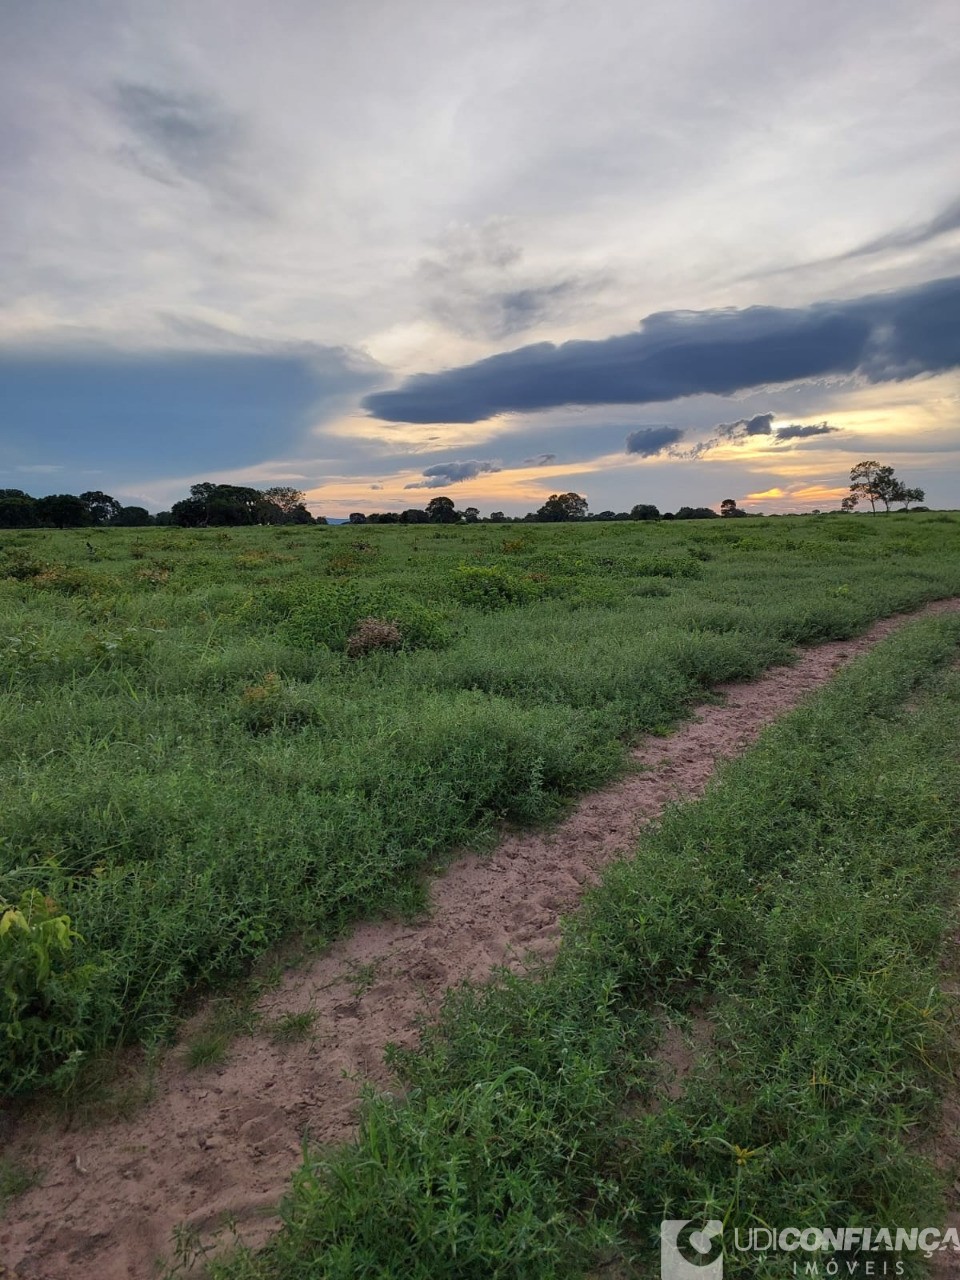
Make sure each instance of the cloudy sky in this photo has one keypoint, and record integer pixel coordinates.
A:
(667, 252)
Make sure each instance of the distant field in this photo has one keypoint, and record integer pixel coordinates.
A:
(202, 753)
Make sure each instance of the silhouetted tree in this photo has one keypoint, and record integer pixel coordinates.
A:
(644, 511)
(900, 493)
(132, 517)
(222, 504)
(99, 506)
(18, 510)
(290, 503)
(285, 497)
(65, 510)
(695, 513)
(728, 507)
(869, 480)
(563, 506)
(441, 510)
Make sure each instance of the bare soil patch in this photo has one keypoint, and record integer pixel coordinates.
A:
(218, 1146)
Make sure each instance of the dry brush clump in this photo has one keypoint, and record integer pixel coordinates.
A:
(373, 633)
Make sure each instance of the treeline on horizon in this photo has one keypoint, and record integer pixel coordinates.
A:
(227, 504)
(212, 504)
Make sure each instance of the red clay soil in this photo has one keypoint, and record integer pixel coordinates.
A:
(218, 1145)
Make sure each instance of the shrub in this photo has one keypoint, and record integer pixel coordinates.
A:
(42, 993)
(20, 564)
(373, 633)
(67, 579)
(329, 614)
(490, 587)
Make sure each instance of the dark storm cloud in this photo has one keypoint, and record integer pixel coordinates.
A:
(884, 337)
(759, 425)
(649, 441)
(446, 473)
(796, 432)
(540, 460)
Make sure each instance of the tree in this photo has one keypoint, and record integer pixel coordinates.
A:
(900, 493)
(471, 515)
(290, 503)
(563, 506)
(886, 484)
(912, 495)
(285, 497)
(132, 517)
(497, 517)
(188, 512)
(17, 509)
(861, 482)
(644, 511)
(875, 483)
(65, 510)
(413, 515)
(695, 513)
(357, 517)
(849, 503)
(728, 507)
(870, 480)
(221, 504)
(232, 504)
(99, 506)
(442, 511)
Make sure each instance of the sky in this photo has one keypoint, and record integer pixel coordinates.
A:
(665, 253)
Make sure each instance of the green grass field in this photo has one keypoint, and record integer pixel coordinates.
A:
(193, 767)
(800, 908)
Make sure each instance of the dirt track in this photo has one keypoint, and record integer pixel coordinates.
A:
(220, 1145)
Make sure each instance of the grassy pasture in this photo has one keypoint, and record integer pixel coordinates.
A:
(800, 909)
(192, 767)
